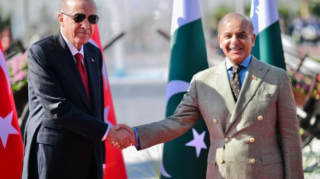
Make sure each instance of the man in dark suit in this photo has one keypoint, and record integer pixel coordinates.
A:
(65, 129)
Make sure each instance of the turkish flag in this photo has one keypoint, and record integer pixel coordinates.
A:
(11, 147)
(114, 165)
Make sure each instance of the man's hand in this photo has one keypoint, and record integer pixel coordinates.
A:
(130, 130)
(120, 138)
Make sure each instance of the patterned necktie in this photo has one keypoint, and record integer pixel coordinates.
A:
(235, 82)
(83, 73)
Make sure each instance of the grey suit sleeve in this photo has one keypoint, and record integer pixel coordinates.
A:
(43, 80)
(288, 127)
(185, 116)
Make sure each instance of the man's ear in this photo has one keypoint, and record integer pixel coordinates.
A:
(60, 19)
(253, 39)
(219, 41)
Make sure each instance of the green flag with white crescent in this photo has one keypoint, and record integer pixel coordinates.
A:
(268, 46)
(185, 156)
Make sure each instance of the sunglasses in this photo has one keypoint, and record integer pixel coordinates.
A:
(79, 17)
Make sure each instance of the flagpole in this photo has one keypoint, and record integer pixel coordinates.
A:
(118, 48)
(239, 6)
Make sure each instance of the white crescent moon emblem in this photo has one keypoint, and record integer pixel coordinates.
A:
(164, 172)
(104, 73)
(104, 69)
(176, 86)
(4, 68)
(106, 114)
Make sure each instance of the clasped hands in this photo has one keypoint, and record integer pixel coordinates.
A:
(121, 136)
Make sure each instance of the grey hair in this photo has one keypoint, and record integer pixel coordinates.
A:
(64, 6)
(232, 15)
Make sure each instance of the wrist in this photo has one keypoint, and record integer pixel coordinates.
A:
(137, 144)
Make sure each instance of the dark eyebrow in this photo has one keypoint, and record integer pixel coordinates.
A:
(241, 32)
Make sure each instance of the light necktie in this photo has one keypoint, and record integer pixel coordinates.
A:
(235, 82)
(83, 73)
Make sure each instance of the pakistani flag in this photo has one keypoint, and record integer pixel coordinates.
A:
(186, 156)
(268, 45)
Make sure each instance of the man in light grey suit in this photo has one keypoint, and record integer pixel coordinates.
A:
(249, 110)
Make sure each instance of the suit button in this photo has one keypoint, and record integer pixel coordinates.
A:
(226, 140)
(252, 139)
(253, 161)
(90, 146)
(260, 118)
(221, 161)
(84, 134)
(215, 120)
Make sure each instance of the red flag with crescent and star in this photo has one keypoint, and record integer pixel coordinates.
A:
(114, 165)
(11, 147)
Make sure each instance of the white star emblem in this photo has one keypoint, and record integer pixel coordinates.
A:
(198, 141)
(6, 128)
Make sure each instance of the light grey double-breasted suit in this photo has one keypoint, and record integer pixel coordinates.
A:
(245, 134)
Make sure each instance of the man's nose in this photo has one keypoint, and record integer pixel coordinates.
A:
(85, 23)
(234, 39)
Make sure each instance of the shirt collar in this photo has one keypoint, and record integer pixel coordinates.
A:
(72, 48)
(244, 63)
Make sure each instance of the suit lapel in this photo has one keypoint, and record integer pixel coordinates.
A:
(223, 86)
(65, 58)
(92, 76)
(249, 88)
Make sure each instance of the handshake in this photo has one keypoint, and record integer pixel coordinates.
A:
(121, 136)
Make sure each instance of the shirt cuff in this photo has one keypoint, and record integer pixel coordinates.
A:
(106, 134)
(137, 145)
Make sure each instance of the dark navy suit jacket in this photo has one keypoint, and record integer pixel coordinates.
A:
(64, 131)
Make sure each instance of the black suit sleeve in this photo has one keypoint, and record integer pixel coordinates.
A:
(43, 79)
(103, 145)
